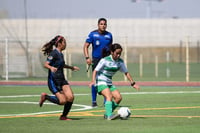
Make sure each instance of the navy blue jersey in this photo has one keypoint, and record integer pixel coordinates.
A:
(99, 42)
(56, 60)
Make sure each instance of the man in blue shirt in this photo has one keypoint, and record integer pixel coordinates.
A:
(101, 41)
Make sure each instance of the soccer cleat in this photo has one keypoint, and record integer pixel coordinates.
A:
(64, 118)
(112, 117)
(94, 104)
(42, 99)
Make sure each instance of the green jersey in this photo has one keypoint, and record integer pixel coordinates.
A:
(106, 68)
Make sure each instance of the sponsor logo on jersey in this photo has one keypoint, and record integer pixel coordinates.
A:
(107, 36)
(96, 35)
(97, 42)
(50, 57)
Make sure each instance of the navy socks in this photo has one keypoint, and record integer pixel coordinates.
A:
(94, 94)
(67, 108)
(52, 99)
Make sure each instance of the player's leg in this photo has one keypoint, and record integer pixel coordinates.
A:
(54, 99)
(54, 90)
(42, 99)
(58, 98)
(116, 96)
(94, 95)
(108, 104)
(67, 91)
(93, 88)
(117, 99)
(104, 101)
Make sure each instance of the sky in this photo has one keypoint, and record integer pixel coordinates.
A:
(100, 8)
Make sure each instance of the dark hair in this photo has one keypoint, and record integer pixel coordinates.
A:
(115, 46)
(106, 51)
(48, 47)
(102, 19)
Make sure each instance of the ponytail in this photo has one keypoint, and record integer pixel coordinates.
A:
(48, 47)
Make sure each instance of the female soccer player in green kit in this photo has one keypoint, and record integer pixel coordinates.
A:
(102, 77)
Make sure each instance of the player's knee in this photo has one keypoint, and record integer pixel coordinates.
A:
(63, 101)
(118, 99)
(70, 98)
(108, 98)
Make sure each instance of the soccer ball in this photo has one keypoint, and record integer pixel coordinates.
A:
(124, 113)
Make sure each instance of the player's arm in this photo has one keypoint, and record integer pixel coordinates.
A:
(86, 53)
(133, 83)
(94, 73)
(46, 65)
(73, 68)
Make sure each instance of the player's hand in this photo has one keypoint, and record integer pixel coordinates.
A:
(137, 87)
(53, 69)
(75, 68)
(91, 84)
(89, 61)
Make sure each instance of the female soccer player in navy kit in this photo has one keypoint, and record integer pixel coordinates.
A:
(102, 77)
(101, 41)
(63, 94)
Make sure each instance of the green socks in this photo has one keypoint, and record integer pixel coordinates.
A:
(108, 108)
(114, 105)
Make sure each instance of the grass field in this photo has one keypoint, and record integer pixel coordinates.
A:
(154, 110)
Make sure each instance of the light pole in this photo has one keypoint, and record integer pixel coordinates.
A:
(149, 6)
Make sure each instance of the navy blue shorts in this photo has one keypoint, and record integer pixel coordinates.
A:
(56, 85)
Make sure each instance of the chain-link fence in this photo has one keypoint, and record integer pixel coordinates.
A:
(146, 63)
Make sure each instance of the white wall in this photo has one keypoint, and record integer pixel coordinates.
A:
(133, 32)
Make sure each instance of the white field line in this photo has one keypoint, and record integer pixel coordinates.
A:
(167, 92)
(124, 93)
(83, 107)
(17, 96)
